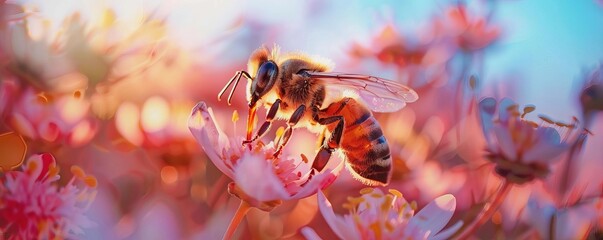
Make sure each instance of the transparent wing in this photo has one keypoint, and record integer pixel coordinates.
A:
(381, 95)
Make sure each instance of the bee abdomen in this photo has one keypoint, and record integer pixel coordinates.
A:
(368, 154)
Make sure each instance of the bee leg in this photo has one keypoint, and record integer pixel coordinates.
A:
(329, 145)
(295, 117)
(266, 126)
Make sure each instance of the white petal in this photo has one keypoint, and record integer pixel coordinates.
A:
(448, 232)
(310, 234)
(208, 134)
(337, 224)
(255, 176)
(433, 217)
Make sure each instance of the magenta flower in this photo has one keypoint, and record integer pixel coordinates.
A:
(521, 149)
(259, 179)
(33, 206)
(375, 215)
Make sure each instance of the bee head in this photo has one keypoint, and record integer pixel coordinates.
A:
(263, 81)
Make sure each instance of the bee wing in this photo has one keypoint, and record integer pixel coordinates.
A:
(381, 95)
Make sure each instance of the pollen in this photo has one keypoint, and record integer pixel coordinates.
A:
(90, 181)
(355, 201)
(366, 191)
(32, 166)
(528, 109)
(304, 158)
(395, 193)
(42, 98)
(376, 229)
(53, 171)
(387, 203)
(235, 116)
(546, 119)
(376, 195)
(78, 172)
(413, 205)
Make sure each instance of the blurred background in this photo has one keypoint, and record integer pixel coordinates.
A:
(109, 86)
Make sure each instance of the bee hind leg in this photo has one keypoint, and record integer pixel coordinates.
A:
(329, 145)
(284, 139)
(266, 126)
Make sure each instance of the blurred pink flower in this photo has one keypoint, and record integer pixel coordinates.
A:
(420, 59)
(259, 179)
(61, 118)
(33, 206)
(471, 33)
(572, 222)
(376, 215)
(521, 149)
(591, 95)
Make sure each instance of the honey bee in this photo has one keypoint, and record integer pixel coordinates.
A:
(338, 106)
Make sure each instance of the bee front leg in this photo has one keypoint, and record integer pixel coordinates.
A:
(266, 126)
(284, 139)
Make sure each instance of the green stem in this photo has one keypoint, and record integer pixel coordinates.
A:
(488, 210)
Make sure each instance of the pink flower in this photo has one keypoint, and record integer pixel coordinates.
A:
(571, 222)
(375, 215)
(420, 58)
(521, 149)
(259, 178)
(471, 33)
(63, 118)
(33, 206)
(591, 95)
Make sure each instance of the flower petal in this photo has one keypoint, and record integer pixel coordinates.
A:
(255, 176)
(208, 134)
(337, 224)
(503, 109)
(446, 233)
(433, 217)
(320, 180)
(310, 234)
(549, 146)
(505, 141)
(487, 109)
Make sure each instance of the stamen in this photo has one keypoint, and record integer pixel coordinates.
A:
(546, 119)
(395, 193)
(366, 190)
(235, 119)
(235, 116)
(413, 205)
(78, 172)
(387, 203)
(304, 158)
(279, 134)
(376, 229)
(528, 109)
(90, 181)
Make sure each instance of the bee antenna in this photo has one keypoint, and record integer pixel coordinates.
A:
(237, 76)
(234, 87)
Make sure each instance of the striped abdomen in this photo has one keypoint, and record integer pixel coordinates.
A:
(366, 149)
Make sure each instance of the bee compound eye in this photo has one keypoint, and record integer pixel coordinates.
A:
(265, 77)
